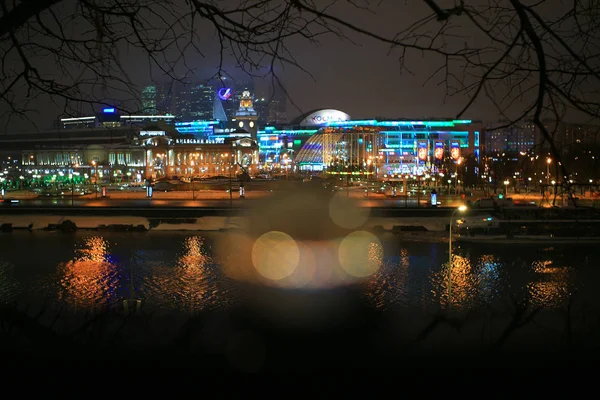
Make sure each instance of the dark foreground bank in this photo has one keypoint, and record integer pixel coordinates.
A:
(276, 331)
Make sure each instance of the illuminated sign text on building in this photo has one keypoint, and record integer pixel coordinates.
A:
(322, 117)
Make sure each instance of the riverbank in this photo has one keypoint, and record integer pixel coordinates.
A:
(410, 226)
(258, 194)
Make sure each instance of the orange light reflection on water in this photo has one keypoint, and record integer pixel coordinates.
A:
(553, 288)
(89, 280)
(191, 285)
(389, 284)
(466, 285)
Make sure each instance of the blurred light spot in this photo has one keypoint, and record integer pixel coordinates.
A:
(360, 254)
(275, 255)
(307, 266)
(346, 213)
(233, 252)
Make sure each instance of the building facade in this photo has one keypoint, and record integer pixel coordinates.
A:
(394, 147)
(127, 154)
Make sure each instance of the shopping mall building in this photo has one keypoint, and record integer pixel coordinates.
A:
(328, 139)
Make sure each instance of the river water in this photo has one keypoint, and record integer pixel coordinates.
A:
(186, 274)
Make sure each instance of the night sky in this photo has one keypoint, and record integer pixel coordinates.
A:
(360, 76)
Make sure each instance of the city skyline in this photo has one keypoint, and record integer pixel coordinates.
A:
(358, 73)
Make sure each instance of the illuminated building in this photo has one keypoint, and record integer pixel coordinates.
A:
(127, 153)
(200, 129)
(157, 99)
(111, 118)
(392, 146)
(341, 149)
(195, 102)
(514, 139)
(141, 120)
(79, 122)
(246, 117)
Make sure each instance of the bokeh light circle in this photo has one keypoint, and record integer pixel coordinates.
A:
(346, 212)
(275, 255)
(360, 254)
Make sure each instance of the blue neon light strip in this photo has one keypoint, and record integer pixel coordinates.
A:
(373, 122)
(197, 123)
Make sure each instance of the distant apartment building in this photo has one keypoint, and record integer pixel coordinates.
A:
(521, 137)
(567, 134)
(525, 136)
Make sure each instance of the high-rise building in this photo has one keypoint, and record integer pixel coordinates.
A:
(157, 99)
(261, 106)
(277, 106)
(224, 105)
(195, 101)
(149, 99)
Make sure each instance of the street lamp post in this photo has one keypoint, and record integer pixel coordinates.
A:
(548, 162)
(461, 209)
(458, 162)
(95, 177)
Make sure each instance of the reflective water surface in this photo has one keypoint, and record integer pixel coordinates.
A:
(184, 272)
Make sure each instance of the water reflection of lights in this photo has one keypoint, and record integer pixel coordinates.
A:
(388, 286)
(472, 285)
(554, 286)
(360, 254)
(191, 285)
(89, 280)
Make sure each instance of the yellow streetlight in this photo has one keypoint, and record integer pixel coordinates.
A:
(461, 209)
(95, 176)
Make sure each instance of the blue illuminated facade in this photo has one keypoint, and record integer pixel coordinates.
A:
(398, 153)
(200, 129)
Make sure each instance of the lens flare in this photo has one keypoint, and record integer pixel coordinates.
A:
(360, 254)
(275, 255)
(346, 213)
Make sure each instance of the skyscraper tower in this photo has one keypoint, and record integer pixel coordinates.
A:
(195, 101)
(149, 99)
(277, 107)
(157, 99)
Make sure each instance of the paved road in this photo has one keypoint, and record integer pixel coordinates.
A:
(182, 209)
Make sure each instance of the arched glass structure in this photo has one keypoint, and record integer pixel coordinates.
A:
(341, 149)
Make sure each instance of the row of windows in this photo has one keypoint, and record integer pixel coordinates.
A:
(51, 158)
